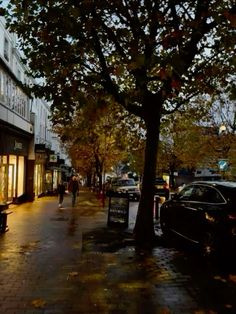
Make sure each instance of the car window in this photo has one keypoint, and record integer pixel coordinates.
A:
(206, 194)
(126, 182)
(159, 181)
(229, 194)
(185, 194)
(212, 196)
(198, 193)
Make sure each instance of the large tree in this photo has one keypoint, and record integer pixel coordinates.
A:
(150, 56)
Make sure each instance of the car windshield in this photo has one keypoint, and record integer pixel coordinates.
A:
(160, 181)
(128, 182)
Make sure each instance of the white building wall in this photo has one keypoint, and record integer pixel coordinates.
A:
(14, 102)
(43, 129)
(16, 107)
(7, 44)
(41, 110)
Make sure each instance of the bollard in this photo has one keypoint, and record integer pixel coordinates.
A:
(156, 206)
(103, 198)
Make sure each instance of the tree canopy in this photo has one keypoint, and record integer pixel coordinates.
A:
(151, 57)
(98, 138)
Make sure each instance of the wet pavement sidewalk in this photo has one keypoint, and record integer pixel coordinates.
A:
(66, 261)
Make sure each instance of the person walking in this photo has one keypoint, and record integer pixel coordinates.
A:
(61, 191)
(74, 189)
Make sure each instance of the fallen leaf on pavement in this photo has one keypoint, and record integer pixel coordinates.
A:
(165, 311)
(228, 306)
(72, 274)
(220, 278)
(39, 303)
(232, 278)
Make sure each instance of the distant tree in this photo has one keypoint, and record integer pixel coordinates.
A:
(93, 139)
(223, 112)
(222, 119)
(183, 140)
(200, 136)
(150, 56)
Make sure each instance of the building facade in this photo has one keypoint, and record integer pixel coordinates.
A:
(30, 154)
(16, 129)
(51, 162)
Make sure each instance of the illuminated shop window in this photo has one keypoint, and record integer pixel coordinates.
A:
(3, 183)
(20, 178)
(38, 179)
(12, 176)
(49, 180)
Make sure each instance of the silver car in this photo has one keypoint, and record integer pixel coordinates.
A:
(125, 186)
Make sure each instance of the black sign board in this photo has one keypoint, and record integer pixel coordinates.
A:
(118, 211)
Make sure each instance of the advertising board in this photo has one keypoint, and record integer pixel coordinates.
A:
(118, 211)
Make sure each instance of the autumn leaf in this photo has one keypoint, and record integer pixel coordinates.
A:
(232, 278)
(163, 74)
(165, 310)
(176, 84)
(72, 274)
(203, 312)
(39, 303)
(220, 278)
(231, 17)
(2, 11)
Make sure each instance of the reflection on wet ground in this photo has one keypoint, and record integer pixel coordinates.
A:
(67, 260)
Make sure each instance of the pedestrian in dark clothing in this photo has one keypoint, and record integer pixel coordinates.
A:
(74, 189)
(61, 191)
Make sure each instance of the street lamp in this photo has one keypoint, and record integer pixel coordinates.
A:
(222, 129)
(223, 163)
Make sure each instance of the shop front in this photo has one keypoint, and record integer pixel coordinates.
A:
(53, 173)
(14, 166)
(49, 171)
(46, 173)
(41, 155)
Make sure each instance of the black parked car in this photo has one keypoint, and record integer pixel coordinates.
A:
(203, 212)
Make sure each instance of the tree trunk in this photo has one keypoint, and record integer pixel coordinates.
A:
(144, 226)
(89, 179)
(100, 181)
(99, 171)
(172, 177)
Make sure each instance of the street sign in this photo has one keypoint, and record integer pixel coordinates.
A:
(52, 158)
(223, 164)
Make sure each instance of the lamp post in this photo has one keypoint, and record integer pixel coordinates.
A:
(222, 129)
(223, 163)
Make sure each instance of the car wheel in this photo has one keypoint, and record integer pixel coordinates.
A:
(208, 243)
(164, 227)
